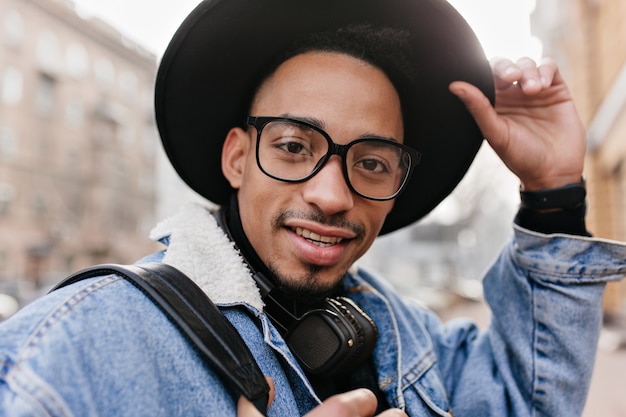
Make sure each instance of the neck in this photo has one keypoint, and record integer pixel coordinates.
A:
(229, 220)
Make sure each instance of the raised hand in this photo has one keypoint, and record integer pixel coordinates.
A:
(534, 127)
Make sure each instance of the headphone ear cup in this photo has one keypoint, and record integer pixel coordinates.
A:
(318, 342)
(362, 326)
(333, 339)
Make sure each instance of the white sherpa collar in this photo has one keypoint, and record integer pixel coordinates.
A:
(200, 249)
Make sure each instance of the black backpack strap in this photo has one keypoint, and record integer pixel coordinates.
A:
(197, 318)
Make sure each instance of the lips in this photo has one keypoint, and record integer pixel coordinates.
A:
(316, 239)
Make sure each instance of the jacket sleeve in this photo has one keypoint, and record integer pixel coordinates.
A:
(537, 356)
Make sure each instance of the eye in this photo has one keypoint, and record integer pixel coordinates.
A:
(293, 145)
(372, 165)
(375, 157)
(286, 140)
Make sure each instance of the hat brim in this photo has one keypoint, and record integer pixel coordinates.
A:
(220, 52)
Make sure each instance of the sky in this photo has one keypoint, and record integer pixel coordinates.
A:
(502, 26)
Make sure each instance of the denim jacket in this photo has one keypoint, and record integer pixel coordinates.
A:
(101, 348)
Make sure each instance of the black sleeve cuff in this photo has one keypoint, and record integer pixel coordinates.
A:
(571, 222)
(555, 210)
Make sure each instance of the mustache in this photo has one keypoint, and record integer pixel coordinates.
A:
(319, 217)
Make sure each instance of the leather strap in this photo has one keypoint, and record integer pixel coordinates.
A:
(198, 319)
(568, 197)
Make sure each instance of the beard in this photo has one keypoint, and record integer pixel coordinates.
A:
(307, 286)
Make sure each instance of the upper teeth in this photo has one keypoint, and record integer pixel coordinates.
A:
(318, 239)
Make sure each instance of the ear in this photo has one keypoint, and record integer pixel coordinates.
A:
(234, 153)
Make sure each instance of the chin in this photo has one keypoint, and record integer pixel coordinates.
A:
(312, 282)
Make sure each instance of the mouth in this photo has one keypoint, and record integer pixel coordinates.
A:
(316, 239)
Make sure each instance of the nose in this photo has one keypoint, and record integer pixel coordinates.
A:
(328, 189)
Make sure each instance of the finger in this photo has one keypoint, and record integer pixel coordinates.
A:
(548, 71)
(394, 412)
(272, 392)
(530, 81)
(505, 72)
(357, 403)
(245, 408)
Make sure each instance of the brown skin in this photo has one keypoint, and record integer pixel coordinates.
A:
(350, 99)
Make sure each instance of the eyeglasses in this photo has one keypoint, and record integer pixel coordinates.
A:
(293, 150)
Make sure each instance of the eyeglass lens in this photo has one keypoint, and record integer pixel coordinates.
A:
(293, 151)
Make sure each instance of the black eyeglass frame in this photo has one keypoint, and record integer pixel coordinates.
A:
(259, 122)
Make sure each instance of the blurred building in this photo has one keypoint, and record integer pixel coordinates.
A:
(78, 143)
(588, 39)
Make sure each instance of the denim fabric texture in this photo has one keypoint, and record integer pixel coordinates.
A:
(101, 348)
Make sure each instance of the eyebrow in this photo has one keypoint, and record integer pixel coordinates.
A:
(322, 126)
(310, 120)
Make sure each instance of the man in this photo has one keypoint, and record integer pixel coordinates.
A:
(336, 124)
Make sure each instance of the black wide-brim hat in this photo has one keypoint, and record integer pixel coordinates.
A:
(222, 50)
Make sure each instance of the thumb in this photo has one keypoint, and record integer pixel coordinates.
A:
(479, 107)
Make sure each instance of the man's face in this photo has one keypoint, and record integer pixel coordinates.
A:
(310, 233)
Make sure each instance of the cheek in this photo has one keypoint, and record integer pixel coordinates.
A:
(372, 215)
(379, 211)
(253, 185)
(381, 215)
(258, 200)
(251, 216)
(256, 188)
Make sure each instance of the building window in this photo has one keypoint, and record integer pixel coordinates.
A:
(46, 95)
(40, 206)
(129, 86)
(48, 52)
(8, 143)
(11, 86)
(105, 73)
(12, 28)
(7, 196)
(76, 60)
(75, 113)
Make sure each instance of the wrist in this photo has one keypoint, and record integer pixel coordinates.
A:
(551, 183)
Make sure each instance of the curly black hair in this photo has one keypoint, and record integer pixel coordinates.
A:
(387, 49)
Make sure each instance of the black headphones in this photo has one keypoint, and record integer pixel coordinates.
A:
(332, 337)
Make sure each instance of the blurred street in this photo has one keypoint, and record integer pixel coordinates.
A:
(606, 396)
